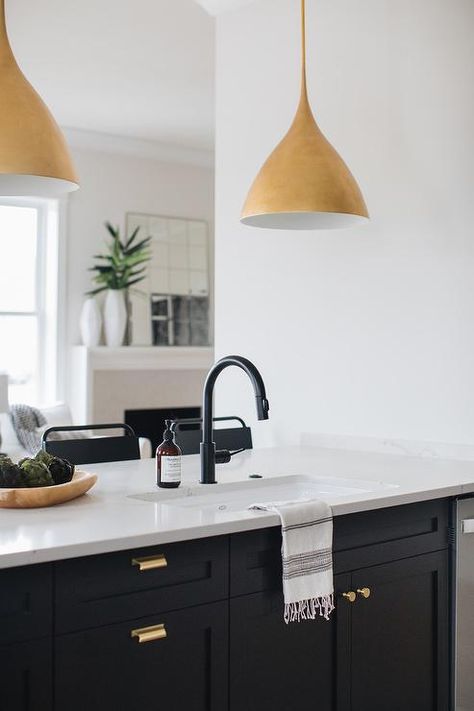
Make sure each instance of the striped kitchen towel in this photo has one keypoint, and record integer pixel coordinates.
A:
(308, 586)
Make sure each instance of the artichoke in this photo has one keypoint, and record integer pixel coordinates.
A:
(36, 473)
(11, 475)
(43, 456)
(61, 471)
(42, 470)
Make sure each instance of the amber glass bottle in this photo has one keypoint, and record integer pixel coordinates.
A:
(168, 461)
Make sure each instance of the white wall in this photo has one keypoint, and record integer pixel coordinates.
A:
(113, 184)
(369, 331)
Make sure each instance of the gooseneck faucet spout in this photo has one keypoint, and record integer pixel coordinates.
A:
(208, 447)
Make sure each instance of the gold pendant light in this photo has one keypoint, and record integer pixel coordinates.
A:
(34, 157)
(304, 184)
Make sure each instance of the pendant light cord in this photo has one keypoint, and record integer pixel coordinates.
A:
(3, 24)
(303, 49)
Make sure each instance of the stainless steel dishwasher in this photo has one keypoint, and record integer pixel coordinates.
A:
(464, 639)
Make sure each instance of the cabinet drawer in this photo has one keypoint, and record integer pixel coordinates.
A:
(100, 590)
(361, 539)
(373, 537)
(26, 603)
(255, 561)
(181, 667)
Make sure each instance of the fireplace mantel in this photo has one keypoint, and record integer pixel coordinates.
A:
(145, 358)
(88, 364)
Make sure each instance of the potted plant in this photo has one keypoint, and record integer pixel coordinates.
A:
(119, 268)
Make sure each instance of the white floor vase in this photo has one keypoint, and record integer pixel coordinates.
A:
(115, 318)
(90, 323)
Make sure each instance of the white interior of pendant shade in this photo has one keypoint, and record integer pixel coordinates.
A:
(34, 186)
(304, 220)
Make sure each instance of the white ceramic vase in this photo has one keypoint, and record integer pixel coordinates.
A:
(90, 323)
(115, 318)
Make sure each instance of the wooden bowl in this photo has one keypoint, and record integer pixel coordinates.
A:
(47, 495)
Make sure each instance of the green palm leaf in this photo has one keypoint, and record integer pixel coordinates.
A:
(131, 238)
(123, 264)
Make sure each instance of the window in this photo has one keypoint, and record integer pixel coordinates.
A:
(28, 298)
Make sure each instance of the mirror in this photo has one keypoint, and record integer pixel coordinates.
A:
(170, 307)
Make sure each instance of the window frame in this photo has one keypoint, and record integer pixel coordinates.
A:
(50, 289)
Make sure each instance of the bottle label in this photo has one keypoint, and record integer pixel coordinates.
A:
(170, 469)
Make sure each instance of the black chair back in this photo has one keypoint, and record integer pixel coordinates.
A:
(189, 435)
(93, 450)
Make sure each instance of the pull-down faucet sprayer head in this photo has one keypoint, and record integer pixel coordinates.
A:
(262, 407)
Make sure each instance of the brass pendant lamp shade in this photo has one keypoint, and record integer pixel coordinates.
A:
(34, 157)
(304, 184)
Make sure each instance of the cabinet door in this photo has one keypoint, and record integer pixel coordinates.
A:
(108, 668)
(26, 676)
(399, 650)
(26, 603)
(275, 666)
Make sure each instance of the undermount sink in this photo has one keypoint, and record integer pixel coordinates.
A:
(240, 495)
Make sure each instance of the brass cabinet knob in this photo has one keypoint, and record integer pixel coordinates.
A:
(351, 596)
(364, 592)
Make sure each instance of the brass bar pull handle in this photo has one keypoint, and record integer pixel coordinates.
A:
(149, 634)
(364, 592)
(150, 562)
(351, 596)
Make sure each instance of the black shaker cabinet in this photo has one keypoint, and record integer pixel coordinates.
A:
(393, 645)
(386, 646)
(108, 668)
(26, 644)
(26, 682)
(276, 666)
(198, 626)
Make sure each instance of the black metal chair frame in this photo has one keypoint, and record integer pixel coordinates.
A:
(93, 450)
(231, 438)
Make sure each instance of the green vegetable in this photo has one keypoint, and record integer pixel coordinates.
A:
(36, 473)
(11, 475)
(60, 469)
(44, 456)
(42, 470)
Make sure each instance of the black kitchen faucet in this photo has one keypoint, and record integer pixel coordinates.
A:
(208, 447)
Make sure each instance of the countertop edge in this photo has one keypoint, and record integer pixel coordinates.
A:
(255, 521)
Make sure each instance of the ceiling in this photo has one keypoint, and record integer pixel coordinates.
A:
(136, 68)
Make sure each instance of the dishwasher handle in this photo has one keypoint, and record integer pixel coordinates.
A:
(467, 525)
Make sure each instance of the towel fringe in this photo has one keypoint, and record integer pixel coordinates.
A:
(309, 609)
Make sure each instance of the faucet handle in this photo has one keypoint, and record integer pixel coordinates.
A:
(223, 456)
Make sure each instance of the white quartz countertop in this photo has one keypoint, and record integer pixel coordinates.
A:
(110, 518)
